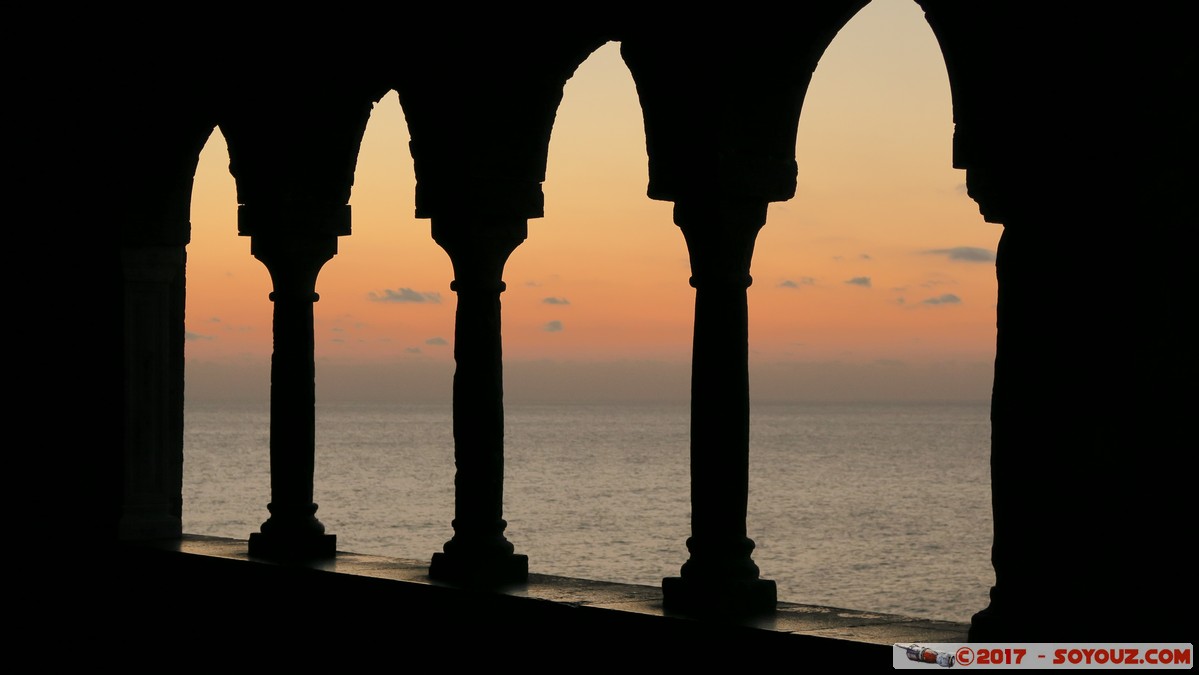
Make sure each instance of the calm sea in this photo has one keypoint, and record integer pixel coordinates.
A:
(882, 507)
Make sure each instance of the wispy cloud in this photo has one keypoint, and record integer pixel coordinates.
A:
(437, 341)
(946, 299)
(404, 295)
(555, 301)
(796, 283)
(188, 335)
(413, 350)
(965, 254)
(552, 327)
(859, 281)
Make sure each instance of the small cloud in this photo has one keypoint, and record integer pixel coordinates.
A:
(946, 299)
(533, 284)
(900, 301)
(413, 350)
(865, 256)
(437, 341)
(215, 319)
(552, 327)
(860, 281)
(965, 254)
(796, 283)
(555, 301)
(338, 340)
(404, 295)
(962, 189)
(338, 329)
(188, 335)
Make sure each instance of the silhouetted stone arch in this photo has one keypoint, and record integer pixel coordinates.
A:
(721, 118)
(480, 122)
(480, 127)
(1089, 492)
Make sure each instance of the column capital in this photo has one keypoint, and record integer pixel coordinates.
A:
(154, 264)
(479, 249)
(720, 238)
(294, 261)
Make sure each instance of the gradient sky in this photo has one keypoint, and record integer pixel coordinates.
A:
(876, 281)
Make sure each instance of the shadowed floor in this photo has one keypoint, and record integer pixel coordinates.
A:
(206, 591)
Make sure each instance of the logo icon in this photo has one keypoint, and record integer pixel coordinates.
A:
(926, 655)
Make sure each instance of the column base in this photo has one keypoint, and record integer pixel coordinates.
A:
(304, 547)
(726, 598)
(484, 571)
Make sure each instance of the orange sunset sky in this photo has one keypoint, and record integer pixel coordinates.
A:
(876, 281)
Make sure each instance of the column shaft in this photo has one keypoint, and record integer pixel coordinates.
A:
(479, 415)
(479, 553)
(293, 399)
(153, 449)
(293, 531)
(720, 575)
(720, 430)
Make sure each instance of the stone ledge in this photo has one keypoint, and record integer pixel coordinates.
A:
(334, 600)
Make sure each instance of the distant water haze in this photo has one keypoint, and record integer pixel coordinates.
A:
(603, 381)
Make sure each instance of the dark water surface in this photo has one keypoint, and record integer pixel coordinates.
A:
(882, 507)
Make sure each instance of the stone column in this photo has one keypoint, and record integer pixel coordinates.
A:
(720, 576)
(479, 553)
(292, 530)
(153, 410)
